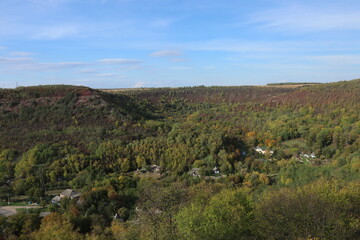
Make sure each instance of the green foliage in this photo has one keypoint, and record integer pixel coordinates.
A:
(56, 226)
(227, 215)
(59, 137)
(7, 158)
(321, 210)
(157, 207)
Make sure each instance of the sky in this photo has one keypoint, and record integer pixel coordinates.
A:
(174, 43)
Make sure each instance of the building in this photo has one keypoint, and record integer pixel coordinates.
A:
(68, 193)
(155, 169)
(260, 150)
(263, 150)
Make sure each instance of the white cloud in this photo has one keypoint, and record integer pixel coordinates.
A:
(139, 85)
(166, 53)
(106, 75)
(302, 18)
(337, 59)
(119, 61)
(22, 54)
(209, 67)
(181, 68)
(162, 23)
(29, 64)
(178, 59)
(130, 67)
(63, 65)
(50, 2)
(2, 48)
(239, 45)
(56, 32)
(12, 60)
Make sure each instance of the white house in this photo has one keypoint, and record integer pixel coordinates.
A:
(68, 193)
(263, 150)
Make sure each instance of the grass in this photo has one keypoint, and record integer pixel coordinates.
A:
(54, 192)
(12, 203)
(28, 210)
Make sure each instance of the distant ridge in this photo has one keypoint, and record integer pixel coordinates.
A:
(293, 83)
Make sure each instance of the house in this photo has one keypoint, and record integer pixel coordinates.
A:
(55, 200)
(312, 155)
(68, 193)
(216, 170)
(195, 172)
(260, 150)
(263, 150)
(155, 169)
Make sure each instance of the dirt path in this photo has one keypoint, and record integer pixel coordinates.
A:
(11, 210)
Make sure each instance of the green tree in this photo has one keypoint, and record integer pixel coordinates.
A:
(227, 215)
(320, 210)
(56, 227)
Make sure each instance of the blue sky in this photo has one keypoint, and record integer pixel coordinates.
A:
(170, 43)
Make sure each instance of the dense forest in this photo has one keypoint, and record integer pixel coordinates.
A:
(249, 162)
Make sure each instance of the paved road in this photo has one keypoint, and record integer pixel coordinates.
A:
(11, 210)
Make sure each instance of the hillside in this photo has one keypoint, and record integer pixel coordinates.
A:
(213, 95)
(323, 96)
(41, 114)
(183, 163)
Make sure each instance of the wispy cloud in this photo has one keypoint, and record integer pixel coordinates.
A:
(178, 59)
(22, 54)
(12, 60)
(50, 2)
(30, 64)
(56, 32)
(209, 67)
(108, 75)
(162, 23)
(337, 59)
(88, 71)
(303, 18)
(64, 65)
(239, 45)
(2, 48)
(166, 53)
(119, 61)
(181, 68)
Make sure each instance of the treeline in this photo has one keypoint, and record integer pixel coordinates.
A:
(292, 83)
(320, 210)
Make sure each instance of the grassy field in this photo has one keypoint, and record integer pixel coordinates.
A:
(54, 192)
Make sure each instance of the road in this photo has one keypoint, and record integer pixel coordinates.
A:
(11, 210)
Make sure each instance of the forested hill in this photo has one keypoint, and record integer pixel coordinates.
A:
(43, 113)
(213, 95)
(249, 162)
(319, 96)
(40, 114)
(323, 96)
